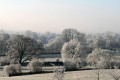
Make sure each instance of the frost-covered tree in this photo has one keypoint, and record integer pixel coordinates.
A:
(99, 41)
(96, 41)
(54, 45)
(112, 41)
(46, 37)
(22, 48)
(3, 39)
(72, 53)
(69, 34)
(31, 34)
(100, 58)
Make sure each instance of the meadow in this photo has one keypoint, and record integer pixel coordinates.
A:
(70, 75)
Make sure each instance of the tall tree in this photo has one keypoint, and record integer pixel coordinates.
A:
(69, 34)
(96, 41)
(3, 39)
(112, 41)
(22, 48)
(54, 45)
(73, 52)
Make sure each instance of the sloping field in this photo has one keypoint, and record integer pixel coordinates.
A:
(72, 75)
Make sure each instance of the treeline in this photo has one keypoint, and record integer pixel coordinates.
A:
(22, 46)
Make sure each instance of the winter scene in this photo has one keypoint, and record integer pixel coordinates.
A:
(59, 39)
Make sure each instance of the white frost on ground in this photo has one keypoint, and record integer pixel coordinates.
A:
(72, 75)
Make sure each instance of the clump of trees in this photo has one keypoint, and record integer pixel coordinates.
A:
(77, 49)
(74, 49)
(100, 58)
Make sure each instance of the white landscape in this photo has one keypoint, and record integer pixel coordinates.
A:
(59, 40)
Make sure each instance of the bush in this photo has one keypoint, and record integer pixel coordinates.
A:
(35, 65)
(18, 68)
(12, 69)
(71, 64)
(4, 61)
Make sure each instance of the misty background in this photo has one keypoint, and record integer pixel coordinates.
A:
(88, 16)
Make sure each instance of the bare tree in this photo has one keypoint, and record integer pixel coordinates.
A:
(98, 74)
(58, 73)
(115, 75)
(22, 48)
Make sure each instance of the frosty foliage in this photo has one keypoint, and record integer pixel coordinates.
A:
(98, 41)
(72, 52)
(4, 61)
(35, 65)
(22, 48)
(12, 69)
(100, 58)
(69, 34)
(54, 45)
(71, 64)
(73, 49)
(4, 37)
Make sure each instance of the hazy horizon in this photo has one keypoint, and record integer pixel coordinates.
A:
(89, 16)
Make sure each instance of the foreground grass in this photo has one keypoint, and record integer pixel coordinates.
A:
(72, 75)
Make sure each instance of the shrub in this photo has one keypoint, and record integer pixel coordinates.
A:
(18, 68)
(4, 61)
(71, 64)
(12, 69)
(59, 73)
(35, 65)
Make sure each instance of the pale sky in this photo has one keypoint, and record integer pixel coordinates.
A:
(89, 16)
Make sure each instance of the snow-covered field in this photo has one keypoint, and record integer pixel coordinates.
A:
(72, 75)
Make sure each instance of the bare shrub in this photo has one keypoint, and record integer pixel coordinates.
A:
(58, 73)
(12, 69)
(115, 75)
(35, 65)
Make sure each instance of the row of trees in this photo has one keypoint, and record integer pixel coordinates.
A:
(72, 44)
